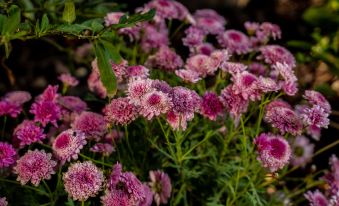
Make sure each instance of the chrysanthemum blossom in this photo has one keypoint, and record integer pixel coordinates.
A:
(120, 111)
(211, 106)
(137, 71)
(137, 89)
(68, 79)
(316, 98)
(184, 102)
(28, 132)
(235, 41)
(46, 112)
(246, 85)
(154, 104)
(251, 27)
(176, 121)
(316, 198)
(83, 180)
(116, 198)
(203, 48)
(7, 155)
(194, 36)
(166, 59)
(34, 166)
(315, 116)
(257, 68)
(209, 21)
(49, 94)
(284, 119)
(267, 84)
(289, 83)
(267, 30)
(119, 69)
(154, 37)
(18, 97)
(67, 145)
(161, 186)
(103, 148)
(274, 152)
(189, 76)
(148, 196)
(302, 151)
(233, 68)
(161, 86)
(90, 123)
(168, 9)
(112, 18)
(3, 201)
(72, 103)
(126, 184)
(272, 54)
(314, 132)
(10, 109)
(234, 103)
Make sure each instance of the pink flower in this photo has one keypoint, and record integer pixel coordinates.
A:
(302, 151)
(233, 68)
(104, 148)
(28, 132)
(165, 58)
(137, 89)
(94, 82)
(273, 54)
(211, 106)
(289, 83)
(67, 145)
(7, 155)
(188, 75)
(154, 104)
(317, 98)
(176, 121)
(83, 180)
(200, 64)
(161, 186)
(46, 112)
(113, 18)
(284, 119)
(49, 94)
(148, 196)
(72, 103)
(18, 97)
(161, 86)
(3, 201)
(234, 41)
(314, 132)
(168, 9)
(68, 80)
(315, 116)
(209, 21)
(257, 68)
(137, 71)
(120, 111)
(266, 84)
(116, 198)
(90, 123)
(8, 108)
(194, 37)
(154, 37)
(234, 103)
(274, 151)
(316, 198)
(246, 85)
(251, 27)
(119, 69)
(267, 30)
(35, 166)
(203, 48)
(185, 102)
(127, 185)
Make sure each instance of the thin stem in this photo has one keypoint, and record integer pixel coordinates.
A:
(48, 189)
(95, 161)
(82, 203)
(4, 127)
(24, 186)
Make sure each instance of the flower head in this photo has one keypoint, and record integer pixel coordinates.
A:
(209, 21)
(188, 75)
(211, 106)
(34, 166)
(72, 103)
(315, 116)
(316, 198)
(233, 68)
(18, 97)
(166, 59)
(46, 112)
(83, 180)
(3, 201)
(113, 18)
(120, 111)
(194, 36)
(8, 108)
(274, 151)
(104, 148)
(235, 41)
(7, 155)
(168, 9)
(316, 98)
(137, 71)
(148, 196)
(154, 37)
(161, 86)
(67, 145)
(161, 186)
(246, 85)
(28, 132)
(154, 104)
(90, 123)
(185, 102)
(137, 89)
(272, 54)
(302, 151)
(94, 83)
(68, 79)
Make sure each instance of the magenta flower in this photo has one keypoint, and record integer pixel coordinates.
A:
(68, 79)
(18, 97)
(116, 198)
(112, 18)
(161, 86)
(3, 201)
(8, 108)
(137, 71)
(127, 185)
(234, 103)
(72, 103)
(7, 155)
(274, 152)
(234, 41)
(273, 54)
(257, 68)
(194, 37)
(120, 111)
(83, 180)
(46, 112)
(314, 132)
(204, 48)
(211, 106)
(137, 89)
(315, 116)
(161, 186)
(316, 198)
(200, 64)
(90, 123)
(233, 68)
(67, 145)
(154, 37)
(35, 166)
(185, 102)
(103, 148)
(154, 104)
(166, 59)
(302, 151)
(28, 132)
(49, 94)
(316, 98)
(251, 27)
(148, 196)
(284, 119)
(246, 85)
(209, 21)
(188, 75)
(168, 9)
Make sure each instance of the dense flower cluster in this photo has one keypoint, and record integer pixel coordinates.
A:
(7, 155)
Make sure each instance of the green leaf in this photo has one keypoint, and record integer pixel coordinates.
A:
(107, 75)
(3, 19)
(112, 51)
(12, 21)
(132, 20)
(299, 44)
(72, 29)
(69, 12)
(44, 23)
(94, 25)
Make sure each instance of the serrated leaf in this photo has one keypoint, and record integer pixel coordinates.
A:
(69, 12)
(12, 21)
(107, 76)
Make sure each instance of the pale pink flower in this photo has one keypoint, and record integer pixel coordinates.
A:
(120, 111)
(161, 186)
(166, 59)
(209, 21)
(137, 89)
(302, 151)
(68, 80)
(154, 104)
(234, 41)
(92, 124)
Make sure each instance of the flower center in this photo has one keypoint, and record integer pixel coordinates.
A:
(62, 141)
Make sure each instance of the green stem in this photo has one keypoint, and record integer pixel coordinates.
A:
(24, 186)
(49, 190)
(82, 203)
(95, 161)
